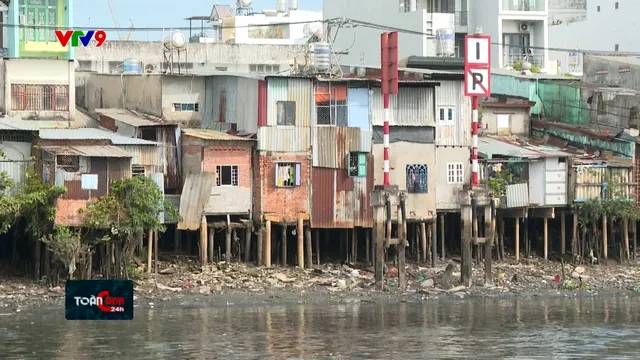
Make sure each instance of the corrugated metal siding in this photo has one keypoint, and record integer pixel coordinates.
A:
(411, 107)
(171, 166)
(284, 139)
(277, 90)
(119, 168)
(589, 180)
(517, 195)
(324, 147)
(451, 94)
(195, 194)
(262, 103)
(299, 91)
(100, 166)
(16, 160)
(144, 155)
(225, 93)
(322, 197)
(245, 105)
(331, 145)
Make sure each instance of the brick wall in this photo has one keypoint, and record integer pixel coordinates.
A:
(230, 155)
(283, 202)
(67, 212)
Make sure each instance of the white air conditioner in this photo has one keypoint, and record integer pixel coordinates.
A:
(524, 27)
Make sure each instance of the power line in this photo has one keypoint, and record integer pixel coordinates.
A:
(85, 28)
(419, 33)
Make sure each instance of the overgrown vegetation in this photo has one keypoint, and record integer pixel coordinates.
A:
(518, 66)
(616, 203)
(509, 174)
(67, 247)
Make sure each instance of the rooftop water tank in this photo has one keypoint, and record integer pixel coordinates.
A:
(281, 6)
(445, 42)
(132, 66)
(322, 57)
(175, 40)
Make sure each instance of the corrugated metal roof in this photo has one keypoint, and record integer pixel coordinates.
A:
(533, 76)
(91, 134)
(88, 151)
(17, 124)
(126, 117)
(489, 147)
(207, 134)
(195, 194)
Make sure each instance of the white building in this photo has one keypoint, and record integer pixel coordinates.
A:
(519, 24)
(591, 25)
(271, 27)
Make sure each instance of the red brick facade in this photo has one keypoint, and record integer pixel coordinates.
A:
(229, 155)
(67, 212)
(286, 203)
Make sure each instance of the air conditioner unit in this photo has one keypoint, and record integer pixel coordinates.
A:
(524, 27)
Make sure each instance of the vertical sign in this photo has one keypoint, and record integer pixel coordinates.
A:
(477, 65)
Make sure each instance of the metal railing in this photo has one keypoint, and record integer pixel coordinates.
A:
(537, 60)
(523, 5)
(462, 18)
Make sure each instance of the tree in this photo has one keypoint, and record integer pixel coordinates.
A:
(67, 246)
(131, 207)
(9, 206)
(37, 203)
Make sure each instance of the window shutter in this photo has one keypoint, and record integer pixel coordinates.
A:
(297, 174)
(426, 178)
(277, 171)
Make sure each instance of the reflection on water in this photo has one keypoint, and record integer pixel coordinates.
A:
(593, 328)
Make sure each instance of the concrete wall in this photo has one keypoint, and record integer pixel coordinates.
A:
(612, 64)
(484, 14)
(402, 154)
(204, 57)
(143, 93)
(39, 72)
(152, 94)
(598, 30)
(447, 194)
(518, 120)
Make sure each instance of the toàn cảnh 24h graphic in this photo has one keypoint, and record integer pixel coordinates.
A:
(99, 300)
(76, 37)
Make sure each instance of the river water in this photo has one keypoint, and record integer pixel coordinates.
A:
(565, 328)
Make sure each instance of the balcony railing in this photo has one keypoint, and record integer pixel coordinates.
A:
(523, 5)
(536, 60)
(462, 18)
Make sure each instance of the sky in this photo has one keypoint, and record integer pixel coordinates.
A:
(158, 13)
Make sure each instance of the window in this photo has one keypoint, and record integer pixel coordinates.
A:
(253, 68)
(137, 170)
(186, 107)
(39, 12)
(358, 164)
(275, 68)
(331, 104)
(617, 47)
(598, 8)
(148, 133)
(617, 4)
(455, 173)
(446, 114)
(417, 179)
(286, 112)
(39, 97)
(503, 124)
(260, 68)
(227, 175)
(68, 163)
(287, 174)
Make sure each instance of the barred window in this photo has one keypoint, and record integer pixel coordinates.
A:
(26, 97)
(417, 181)
(227, 175)
(331, 104)
(68, 163)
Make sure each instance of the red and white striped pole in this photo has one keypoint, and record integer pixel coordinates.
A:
(475, 169)
(387, 115)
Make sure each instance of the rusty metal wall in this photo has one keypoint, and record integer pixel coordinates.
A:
(171, 172)
(322, 197)
(331, 145)
(144, 155)
(284, 139)
(297, 90)
(119, 168)
(341, 201)
(411, 107)
(100, 166)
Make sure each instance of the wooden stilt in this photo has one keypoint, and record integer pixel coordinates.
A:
(545, 235)
(210, 247)
(308, 255)
(489, 225)
(317, 241)
(204, 239)
(563, 233)
(625, 229)
(228, 241)
(283, 246)
(605, 242)
(466, 234)
(423, 240)
(354, 245)
(149, 250)
(260, 248)
(402, 248)
(367, 250)
(247, 243)
(635, 239)
(300, 234)
(177, 241)
(156, 253)
(442, 243)
(517, 234)
(574, 234)
(267, 244)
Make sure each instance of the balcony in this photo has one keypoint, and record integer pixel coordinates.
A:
(523, 5)
(535, 60)
(462, 18)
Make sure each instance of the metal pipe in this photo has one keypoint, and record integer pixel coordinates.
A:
(387, 116)
(474, 141)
